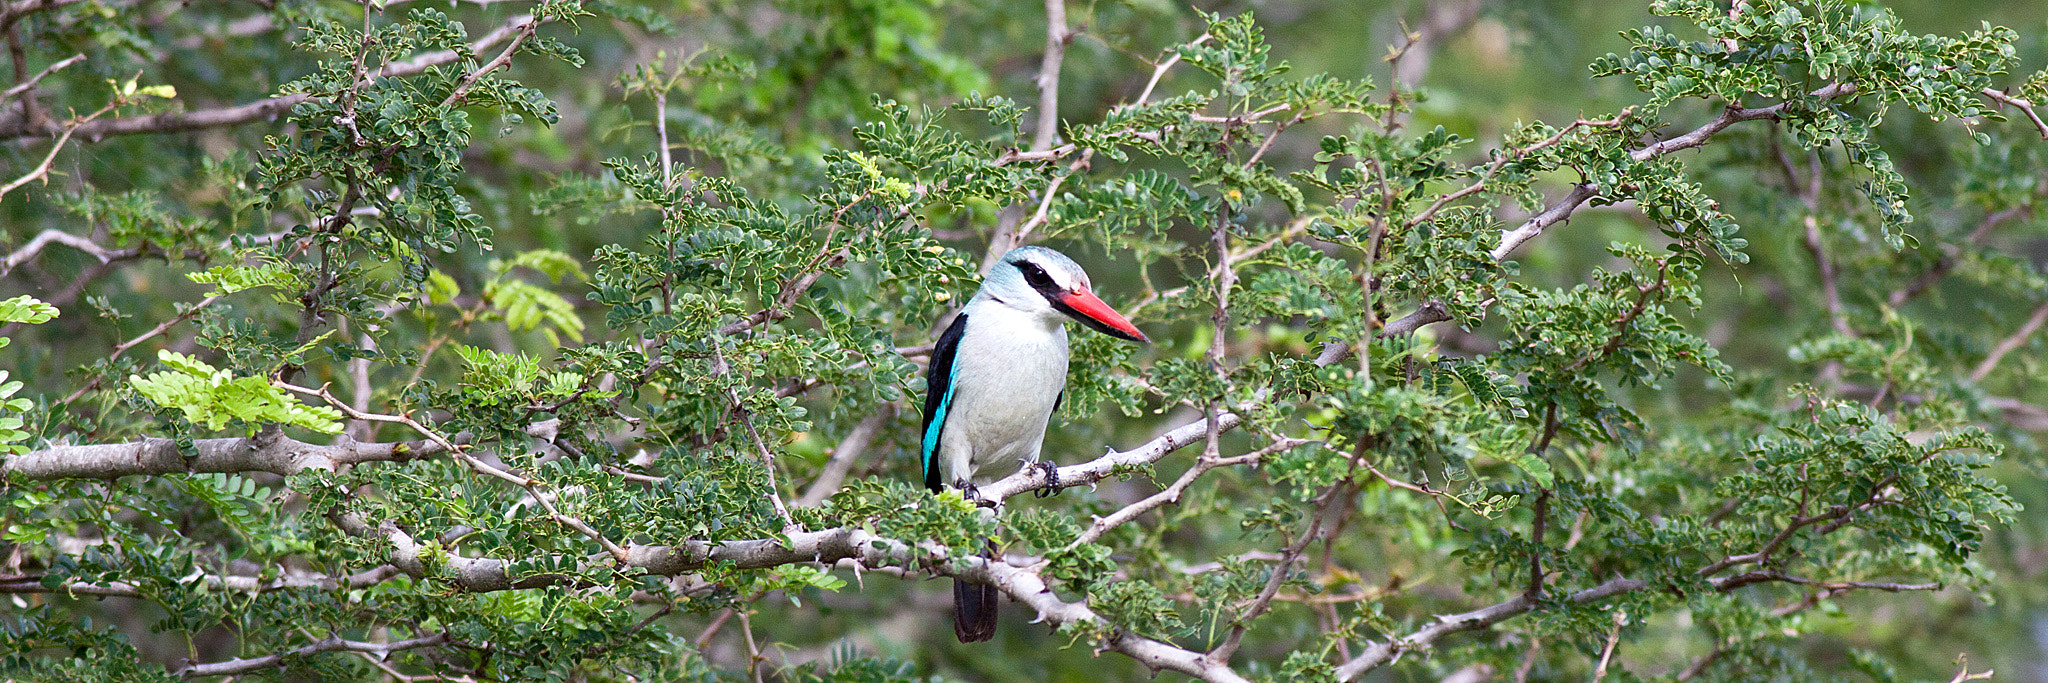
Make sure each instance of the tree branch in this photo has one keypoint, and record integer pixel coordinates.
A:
(1007, 236)
(247, 584)
(271, 452)
(2007, 344)
(844, 456)
(1730, 115)
(2026, 107)
(1033, 478)
(31, 81)
(252, 111)
(1380, 654)
(1991, 221)
(330, 644)
(826, 547)
(1172, 493)
(28, 252)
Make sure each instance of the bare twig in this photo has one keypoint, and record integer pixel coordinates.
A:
(31, 82)
(1052, 190)
(2006, 345)
(545, 498)
(42, 169)
(252, 111)
(1159, 71)
(2025, 106)
(1934, 273)
(1172, 493)
(1831, 519)
(1963, 672)
(187, 314)
(1613, 639)
(1699, 666)
(1501, 161)
(1731, 115)
(28, 252)
(330, 644)
(844, 456)
(504, 58)
(1380, 654)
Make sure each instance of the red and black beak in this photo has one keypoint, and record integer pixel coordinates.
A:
(1084, 306)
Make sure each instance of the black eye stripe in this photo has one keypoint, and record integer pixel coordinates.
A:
(1034, 274)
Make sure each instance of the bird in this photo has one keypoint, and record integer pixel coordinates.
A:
(997, 373)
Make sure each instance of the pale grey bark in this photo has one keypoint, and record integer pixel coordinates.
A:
(271, 452)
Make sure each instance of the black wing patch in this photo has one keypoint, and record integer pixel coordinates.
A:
(938, 398)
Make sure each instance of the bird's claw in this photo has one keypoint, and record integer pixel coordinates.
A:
(1052, 479)
(973, 494)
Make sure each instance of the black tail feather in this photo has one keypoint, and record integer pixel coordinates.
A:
(974, 611)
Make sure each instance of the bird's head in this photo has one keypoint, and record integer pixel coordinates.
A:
(1038, 279)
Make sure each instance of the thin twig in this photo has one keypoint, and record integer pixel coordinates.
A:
(330, 644)
(1831, 294)
(1731, 115)
(28, 252)
(1934, 273)
(1159, 71)
(1172, 493)
(1613, 639)
(252, 111)
(845, 455)
(2007, 345)
(2025, 106)
(24, 86)
(545, 498)
(42, 169)
(767, 456)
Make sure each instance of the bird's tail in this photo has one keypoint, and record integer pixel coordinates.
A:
(974, 611)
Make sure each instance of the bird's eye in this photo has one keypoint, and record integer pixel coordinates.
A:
(1033, 274)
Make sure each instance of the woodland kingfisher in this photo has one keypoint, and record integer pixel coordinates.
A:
(996, 375)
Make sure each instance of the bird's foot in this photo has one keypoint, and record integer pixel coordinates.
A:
(1052, 479)
(973, 494)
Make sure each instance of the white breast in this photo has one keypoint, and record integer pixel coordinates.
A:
(1008, 374)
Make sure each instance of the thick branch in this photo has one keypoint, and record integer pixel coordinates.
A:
(1007, 236)
(250, 584)
(273, 452)
(827, 548)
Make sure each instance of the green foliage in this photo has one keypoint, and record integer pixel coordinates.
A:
(1720, 372)
(212, 398)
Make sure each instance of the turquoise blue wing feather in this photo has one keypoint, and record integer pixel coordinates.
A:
(938, 398)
